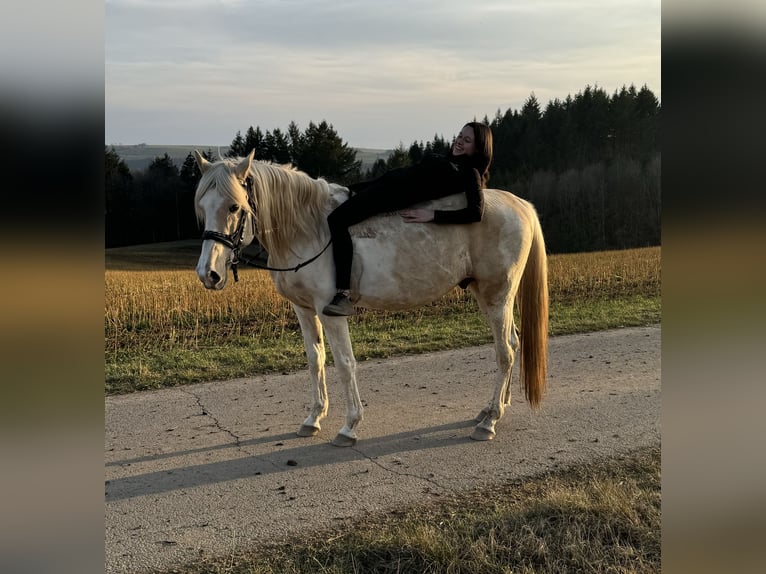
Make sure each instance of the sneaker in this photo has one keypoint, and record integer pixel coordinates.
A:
(340, 306)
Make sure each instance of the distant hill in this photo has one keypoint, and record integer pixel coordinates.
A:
(138, 157)
(370, 156)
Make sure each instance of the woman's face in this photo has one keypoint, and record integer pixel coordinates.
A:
(464, 142)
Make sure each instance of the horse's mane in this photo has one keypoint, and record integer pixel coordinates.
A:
(290, 205)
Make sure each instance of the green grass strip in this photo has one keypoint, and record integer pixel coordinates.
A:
(373, 336)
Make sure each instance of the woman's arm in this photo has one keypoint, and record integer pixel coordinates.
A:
(417, 215)
(474, 208)
(470, 182)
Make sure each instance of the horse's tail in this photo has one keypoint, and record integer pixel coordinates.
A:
(533, 309)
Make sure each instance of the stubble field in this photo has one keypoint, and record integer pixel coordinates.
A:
(162, 328)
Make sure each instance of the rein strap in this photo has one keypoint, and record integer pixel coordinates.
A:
(259, 266)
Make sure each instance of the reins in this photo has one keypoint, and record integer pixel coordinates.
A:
(259, 266)
(234, 241)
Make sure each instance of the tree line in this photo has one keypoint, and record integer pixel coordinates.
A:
(590, 164)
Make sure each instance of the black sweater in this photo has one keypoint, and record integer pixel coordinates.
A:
(432, 178)
(467, 179)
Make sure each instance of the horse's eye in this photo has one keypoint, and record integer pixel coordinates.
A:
(234, 208)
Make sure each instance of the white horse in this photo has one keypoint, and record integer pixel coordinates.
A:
(396, 265)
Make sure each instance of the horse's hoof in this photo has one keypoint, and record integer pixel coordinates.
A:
(344, 441)
(307, 430)
(480, 433)
(481, 416)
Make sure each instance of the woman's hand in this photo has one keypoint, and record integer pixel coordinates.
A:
(417, 215)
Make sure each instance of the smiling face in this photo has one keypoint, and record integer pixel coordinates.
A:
(465, 142)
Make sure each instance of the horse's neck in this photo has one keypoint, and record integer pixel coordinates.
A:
(303, 225)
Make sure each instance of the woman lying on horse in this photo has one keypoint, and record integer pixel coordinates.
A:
(465, 168)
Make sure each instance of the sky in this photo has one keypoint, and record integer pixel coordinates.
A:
(193, 72)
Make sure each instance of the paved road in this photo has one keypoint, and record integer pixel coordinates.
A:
(216, 466)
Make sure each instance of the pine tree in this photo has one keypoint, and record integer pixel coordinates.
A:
(237, 147)
(277, 146)
(416, 152)
(530, 144)
(254, 140)
(648, 120)
(189, 173)
(118, 178)
(324, 154)
(399, 157)
(295, 141)
(118, 199)
(160, 206)
(440, 146)
(189, 177)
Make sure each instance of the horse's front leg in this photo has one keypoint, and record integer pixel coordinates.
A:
(315, 354)
(343, 355)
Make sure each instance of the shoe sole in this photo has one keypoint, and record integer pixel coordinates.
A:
(336, 312)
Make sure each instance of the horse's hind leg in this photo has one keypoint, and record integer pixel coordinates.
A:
(315, 354)
(500, 317)
(507, 390)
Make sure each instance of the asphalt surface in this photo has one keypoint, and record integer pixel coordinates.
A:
(209, 468)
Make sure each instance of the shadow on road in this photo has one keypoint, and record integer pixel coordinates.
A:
(242, 464)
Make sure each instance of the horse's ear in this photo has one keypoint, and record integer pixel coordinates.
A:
(201, 161)
(243, 168)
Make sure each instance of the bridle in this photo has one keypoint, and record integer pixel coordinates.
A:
(234, 240)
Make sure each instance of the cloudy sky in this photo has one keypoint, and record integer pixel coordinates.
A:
(195, 72)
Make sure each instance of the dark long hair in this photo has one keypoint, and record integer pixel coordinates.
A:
(482, 157)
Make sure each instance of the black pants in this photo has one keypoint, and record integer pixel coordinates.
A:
(390, 192)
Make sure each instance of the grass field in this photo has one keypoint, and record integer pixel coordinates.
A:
(162, 328)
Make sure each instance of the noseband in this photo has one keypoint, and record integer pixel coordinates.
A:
(234, 241)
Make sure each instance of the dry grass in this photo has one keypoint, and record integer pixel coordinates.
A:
(609, 274)
(164, 309)
(170, 308)
(604, 516)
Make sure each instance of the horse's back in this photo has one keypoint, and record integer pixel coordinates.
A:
(400, 265)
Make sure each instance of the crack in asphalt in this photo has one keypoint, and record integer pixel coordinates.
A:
(218, 425)
(398, 473)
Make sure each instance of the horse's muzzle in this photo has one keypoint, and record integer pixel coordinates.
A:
(211, 279)
(215, 281)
